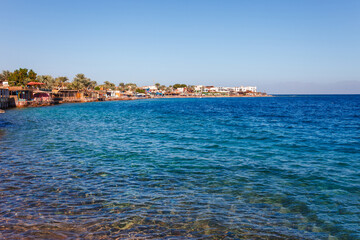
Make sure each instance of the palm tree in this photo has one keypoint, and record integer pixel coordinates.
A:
(4, 76)
(81, 82)
(48, 80)
(60, 82)
(91, 85)
(76, 85)
(122, 87)
(109, 85)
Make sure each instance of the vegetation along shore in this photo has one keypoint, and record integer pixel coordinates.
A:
(25, 88)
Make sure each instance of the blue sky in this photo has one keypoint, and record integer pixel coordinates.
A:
(280, 46)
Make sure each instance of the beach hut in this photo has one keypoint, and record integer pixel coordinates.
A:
(67, 95)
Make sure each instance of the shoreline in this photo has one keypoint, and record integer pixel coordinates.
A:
(53, 103)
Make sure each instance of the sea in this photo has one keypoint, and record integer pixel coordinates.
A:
(282, 167)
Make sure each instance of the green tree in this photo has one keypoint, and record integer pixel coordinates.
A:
(32, 75)
(139, 90)
(21, 77)
(122, 87)
(76, 85)
(4, 76)
(48, 80)
(179, 85)
(190, 88)
(157, 85)
(60, 82)
(91, 85)
(109, 85)
(81, 82)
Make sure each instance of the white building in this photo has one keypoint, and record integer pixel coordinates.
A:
(150, 88)
(234, 89)
(180, 90)
(223, 89)
(199, 88)
(248, 88)
(113, 93)
(237, 89)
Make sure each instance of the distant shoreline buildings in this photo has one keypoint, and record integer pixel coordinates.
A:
(202, 89)
(23, 88)
(34, 95)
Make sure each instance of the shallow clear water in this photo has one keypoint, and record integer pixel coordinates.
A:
(225, 168)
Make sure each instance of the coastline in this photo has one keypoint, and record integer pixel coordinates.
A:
(32, 104)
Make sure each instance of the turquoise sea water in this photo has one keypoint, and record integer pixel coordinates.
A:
(227, 168)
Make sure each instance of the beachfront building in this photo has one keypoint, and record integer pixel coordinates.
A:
(67, 95)
(248, 89)
(235, 89)
(20, 96)
(180, 90)
(212, 90)
(140, 95)
(199, 88)
(129, 94)
(150, 89)
(207, 89)
(93, 94)
(223, 89)
(4, 98)
(41, 96)
(113, 93)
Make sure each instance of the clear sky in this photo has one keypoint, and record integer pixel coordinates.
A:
(281, 46)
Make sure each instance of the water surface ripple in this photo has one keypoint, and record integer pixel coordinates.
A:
(225, 168)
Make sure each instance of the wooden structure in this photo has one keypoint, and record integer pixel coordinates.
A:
(20, 96)
(4, 98)
(66, 95)
(91, 95)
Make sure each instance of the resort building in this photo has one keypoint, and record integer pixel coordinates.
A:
(248, 89)
(66, 95)
(208, 89)
(149, 89)
(180, 90)
(199, 88)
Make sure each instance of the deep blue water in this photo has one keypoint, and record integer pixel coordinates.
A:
(225, 168)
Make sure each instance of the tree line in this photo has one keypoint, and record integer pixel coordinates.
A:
(22, 76)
